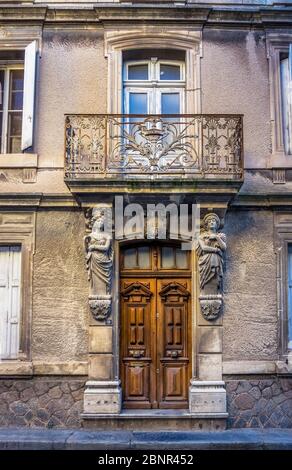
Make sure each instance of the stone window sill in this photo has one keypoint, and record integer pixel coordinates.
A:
(282, 368)
(18, 160)
(15, 368)
(280, 160)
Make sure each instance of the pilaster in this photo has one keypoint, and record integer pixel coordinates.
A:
(207, 392)
(103, 393)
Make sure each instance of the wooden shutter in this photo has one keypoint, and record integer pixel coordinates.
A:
(28, 95)
(10, 278)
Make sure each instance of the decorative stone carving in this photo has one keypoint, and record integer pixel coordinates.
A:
(211, 306)
(99, 263)
(100, 306)
(210, 249)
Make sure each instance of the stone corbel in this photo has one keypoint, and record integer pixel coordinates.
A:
(211, 306)
(99, 261)
(211, 250)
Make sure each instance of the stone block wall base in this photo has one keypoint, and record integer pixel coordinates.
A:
(102, 397)
(207, 397)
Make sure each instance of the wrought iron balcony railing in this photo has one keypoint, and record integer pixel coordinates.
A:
(153, 146)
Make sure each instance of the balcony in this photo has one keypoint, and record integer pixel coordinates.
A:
(125, 149)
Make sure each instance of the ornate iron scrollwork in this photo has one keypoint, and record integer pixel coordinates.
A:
(195, 145)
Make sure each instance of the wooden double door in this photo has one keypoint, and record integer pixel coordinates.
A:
(156, 337)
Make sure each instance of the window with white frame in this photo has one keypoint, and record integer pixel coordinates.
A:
(17, 83)
(10, 300)
(286, 98)
(154, 86)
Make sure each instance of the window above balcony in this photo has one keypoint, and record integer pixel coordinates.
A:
(154, 84)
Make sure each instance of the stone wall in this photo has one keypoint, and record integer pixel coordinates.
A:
(264, 403)
(41, 402)
(51, 402)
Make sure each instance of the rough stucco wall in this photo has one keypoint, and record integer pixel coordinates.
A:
(60, 288)
(250, 310)
(72, 79)
(235, 80)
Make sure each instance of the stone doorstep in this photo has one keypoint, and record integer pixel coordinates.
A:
(150, 414)
(155, 420)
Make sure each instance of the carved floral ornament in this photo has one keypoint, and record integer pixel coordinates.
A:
(211, 248)
(99, 263)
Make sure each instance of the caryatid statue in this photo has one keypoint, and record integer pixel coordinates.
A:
(210, 250)
(99, 263)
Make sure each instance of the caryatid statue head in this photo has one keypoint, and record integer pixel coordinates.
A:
(211, 222)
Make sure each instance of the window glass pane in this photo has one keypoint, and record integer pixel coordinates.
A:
(167, 257)
(138, 103)
(16, 100)
(144, 257)
(181, 259)
(17, 80)
(169, 72)
(130, 258)
(170, 103)
(14, 132)
(290, 296)
(16, 89)
(138, 72)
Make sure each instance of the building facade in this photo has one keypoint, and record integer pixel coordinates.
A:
(116, 116)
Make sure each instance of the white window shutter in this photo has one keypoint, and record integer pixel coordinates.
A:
(28, 95)
(10, 279)
(290, 100)
(4, 298)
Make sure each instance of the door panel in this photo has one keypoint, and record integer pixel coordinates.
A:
(173, 305)
(137, 300)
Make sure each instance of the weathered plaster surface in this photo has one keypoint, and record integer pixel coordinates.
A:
(250, 311)
(60, 289)
(41, 402)
(47, 181)
(264, 403)
(261, 183)
(235, 80)
(72, 79)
